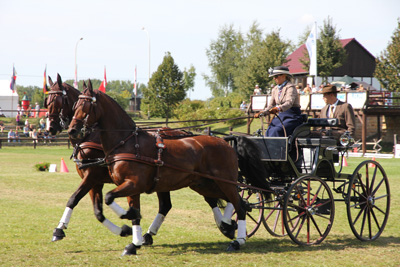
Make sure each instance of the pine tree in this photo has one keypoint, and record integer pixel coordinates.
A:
(387, 69)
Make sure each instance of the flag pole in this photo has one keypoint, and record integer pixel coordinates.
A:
(316, 55)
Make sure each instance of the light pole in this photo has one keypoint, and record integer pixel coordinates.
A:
(76, 67)
(148, 37)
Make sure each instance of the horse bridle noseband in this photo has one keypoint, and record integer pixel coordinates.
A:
(64, 120)
(87, 106)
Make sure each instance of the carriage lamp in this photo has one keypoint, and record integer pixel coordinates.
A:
(346, 139)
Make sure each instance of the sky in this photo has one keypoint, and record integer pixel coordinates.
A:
(117, 34)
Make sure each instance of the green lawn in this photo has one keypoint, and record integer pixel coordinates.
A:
(32, 202)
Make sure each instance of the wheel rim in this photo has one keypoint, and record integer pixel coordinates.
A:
(254, 217)
(368, 201)
(308, 210)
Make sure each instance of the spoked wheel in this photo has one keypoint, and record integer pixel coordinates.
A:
(254, 217)
(309, 210)
(273, 218)
(368, 201)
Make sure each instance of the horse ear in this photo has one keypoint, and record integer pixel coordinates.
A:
(59, 80)
(90, 87)
(84, 85)
(50, 81)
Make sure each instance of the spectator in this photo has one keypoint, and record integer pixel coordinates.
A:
(46, 136)
(1, 126)
(17, 137)
(314, 89)
(257, 90)
(18, 109)
(42, 123)
(11, 136)
(34, 136)
(243, 106)
(307, 90)
(26, 130)
(17, 119)
(37, 109)
(361, 88)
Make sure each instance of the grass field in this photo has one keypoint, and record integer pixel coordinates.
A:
(32, 202)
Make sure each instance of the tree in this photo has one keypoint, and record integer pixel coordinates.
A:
(166, 89)
(188, 78)
(224, 56)
(330, 52)
(261, 54)
(387, 69)
(240, 62)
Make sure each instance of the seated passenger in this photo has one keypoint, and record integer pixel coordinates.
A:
(337, 109)
(284, 100)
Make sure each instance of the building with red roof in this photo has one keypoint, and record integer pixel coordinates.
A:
(360, 63)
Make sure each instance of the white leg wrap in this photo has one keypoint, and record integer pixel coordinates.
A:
(65, 218)
(228, 213)
(112, 227)
(158, 220)
(117, 209)
(137, 238)
(217, 215)
(241, 233)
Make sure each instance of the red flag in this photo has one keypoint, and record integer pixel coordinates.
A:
(103, 83)
(13, 79)
(134, 84)
(45, 88)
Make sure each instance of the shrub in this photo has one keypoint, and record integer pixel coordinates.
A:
(42, 166)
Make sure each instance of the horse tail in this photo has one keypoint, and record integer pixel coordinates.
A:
(250, 164)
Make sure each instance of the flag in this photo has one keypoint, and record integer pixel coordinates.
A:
(45, 88)
(104, 82)
(311, 44)
(13, 79)
(134, 84)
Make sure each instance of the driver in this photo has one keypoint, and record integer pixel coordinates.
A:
(284, 100)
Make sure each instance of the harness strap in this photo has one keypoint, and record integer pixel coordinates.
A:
(153, 162)
(92, 145)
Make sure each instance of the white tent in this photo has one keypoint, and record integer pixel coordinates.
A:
(8, 99)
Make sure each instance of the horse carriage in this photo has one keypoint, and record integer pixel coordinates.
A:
(282, 183)
(301, 168)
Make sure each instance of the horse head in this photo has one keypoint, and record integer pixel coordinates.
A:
(85, 113)
(59, 102)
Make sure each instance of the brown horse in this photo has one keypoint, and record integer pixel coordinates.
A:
(59, 102)
(141, 163)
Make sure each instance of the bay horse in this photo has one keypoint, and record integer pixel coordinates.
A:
(142, 163)
(59, 103)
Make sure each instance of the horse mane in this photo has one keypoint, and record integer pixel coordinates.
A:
(118, 106)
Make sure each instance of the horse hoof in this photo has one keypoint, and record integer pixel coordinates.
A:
(228, 230)
(58, 234)
(233, 246)
(132, 214)
(147, 240)
(129, 250)
(126, 230)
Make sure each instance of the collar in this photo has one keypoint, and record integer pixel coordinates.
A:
(282, 85)
(336, 103)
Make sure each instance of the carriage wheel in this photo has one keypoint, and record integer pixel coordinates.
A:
(309, 210)
(368, 201)
(254, 218)
(273, 218)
